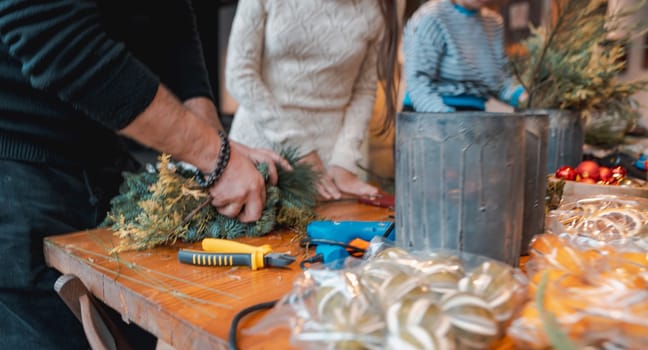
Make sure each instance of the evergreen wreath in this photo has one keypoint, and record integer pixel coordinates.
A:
(160, 206)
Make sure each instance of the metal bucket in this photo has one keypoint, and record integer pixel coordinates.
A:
(535, 177)
(566, 138)
(460, 182)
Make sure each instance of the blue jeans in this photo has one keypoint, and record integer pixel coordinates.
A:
(37, 200)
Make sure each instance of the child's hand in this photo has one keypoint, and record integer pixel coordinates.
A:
(522, 100)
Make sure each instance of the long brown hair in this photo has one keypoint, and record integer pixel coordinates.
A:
(388, 75)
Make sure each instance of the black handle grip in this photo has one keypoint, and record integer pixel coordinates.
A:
(214, 259)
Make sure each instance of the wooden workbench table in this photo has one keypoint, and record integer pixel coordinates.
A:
(186, 306)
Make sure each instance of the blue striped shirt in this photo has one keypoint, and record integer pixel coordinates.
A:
(454, 57)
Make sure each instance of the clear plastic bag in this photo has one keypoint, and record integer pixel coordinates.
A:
(601, 218)
(599, 297)
(398, 300)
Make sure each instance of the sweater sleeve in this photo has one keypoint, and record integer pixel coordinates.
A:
(244, 59)
(64, 49)
(510, 92)
(181, 62)
(423, 49)
(346, 152)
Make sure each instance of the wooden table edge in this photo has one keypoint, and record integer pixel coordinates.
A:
(54, 257)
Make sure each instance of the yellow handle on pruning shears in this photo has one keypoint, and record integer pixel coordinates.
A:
(257, 253)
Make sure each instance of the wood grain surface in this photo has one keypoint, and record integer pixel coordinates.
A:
(186, 306)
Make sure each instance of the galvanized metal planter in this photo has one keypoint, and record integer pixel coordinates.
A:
(535, 176)
(566, 137)
(460, 182)
(550, 143)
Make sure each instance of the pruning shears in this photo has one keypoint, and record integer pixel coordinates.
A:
(223, 252)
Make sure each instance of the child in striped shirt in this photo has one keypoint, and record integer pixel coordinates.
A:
(455, 58)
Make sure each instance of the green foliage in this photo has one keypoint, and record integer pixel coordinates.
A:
(573, 63)
(158, 208)
(553, 194)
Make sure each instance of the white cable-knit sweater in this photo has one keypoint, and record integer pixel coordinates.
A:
(304, 75)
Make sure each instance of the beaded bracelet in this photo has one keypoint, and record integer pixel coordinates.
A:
(223, 158)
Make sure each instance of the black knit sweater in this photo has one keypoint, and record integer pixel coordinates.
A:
(72, 72)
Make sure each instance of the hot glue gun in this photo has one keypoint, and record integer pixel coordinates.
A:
(336, 240)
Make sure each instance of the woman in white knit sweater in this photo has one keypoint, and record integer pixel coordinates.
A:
(305, 73)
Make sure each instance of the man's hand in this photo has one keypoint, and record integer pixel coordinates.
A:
(189, 133)
(204, 108)
(262, 155)
(240, 192)
(325, 187)
(348, 182)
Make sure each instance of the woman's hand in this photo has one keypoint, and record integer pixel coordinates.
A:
(349, 182)
(325, 187)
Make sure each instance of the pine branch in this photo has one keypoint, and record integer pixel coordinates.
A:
(545, 48)
(574, 61)
(195, 211)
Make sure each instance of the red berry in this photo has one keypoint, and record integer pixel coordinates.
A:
(566, 172)
(618, 172)
(605, 174)
(588, 169)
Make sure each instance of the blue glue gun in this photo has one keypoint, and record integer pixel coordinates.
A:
(333, 238)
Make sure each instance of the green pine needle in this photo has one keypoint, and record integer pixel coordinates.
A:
(558, 339)
(297, 186)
